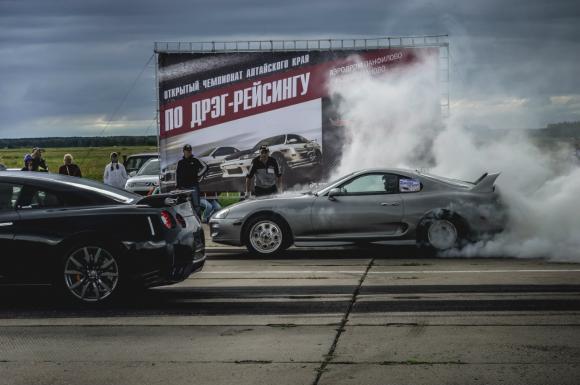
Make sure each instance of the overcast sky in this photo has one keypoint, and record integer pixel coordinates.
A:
(66, 66)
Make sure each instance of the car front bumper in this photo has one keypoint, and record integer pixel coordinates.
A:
(226, 231)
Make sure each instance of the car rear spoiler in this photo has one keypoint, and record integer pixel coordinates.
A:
(485, 183)
(168, 199)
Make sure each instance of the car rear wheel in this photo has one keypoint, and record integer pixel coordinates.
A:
(91, 273)
(441, 232)
(267, 236)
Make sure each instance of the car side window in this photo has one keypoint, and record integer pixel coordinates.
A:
(223, 151)
(371, 184)
(8, 196)
(33, 198)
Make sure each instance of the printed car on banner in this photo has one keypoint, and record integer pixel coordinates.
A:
(225, 105)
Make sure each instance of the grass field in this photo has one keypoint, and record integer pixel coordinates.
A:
(91, 160)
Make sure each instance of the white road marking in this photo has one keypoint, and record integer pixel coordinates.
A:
(394, 271)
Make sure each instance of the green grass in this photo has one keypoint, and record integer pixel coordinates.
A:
(91, 160)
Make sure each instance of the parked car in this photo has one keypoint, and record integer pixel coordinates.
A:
(213, 158)
(92, 240)
(290, 151)
(134, 162)
(369, 206)
(146, 179)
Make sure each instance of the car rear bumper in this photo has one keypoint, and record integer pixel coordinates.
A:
(163, 263)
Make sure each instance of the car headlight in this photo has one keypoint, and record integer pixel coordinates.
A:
(222, 214)
(248, 156)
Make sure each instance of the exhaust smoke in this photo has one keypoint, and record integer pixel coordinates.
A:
(394, 120)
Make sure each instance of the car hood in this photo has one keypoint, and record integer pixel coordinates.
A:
(253, 204)
(144, 178)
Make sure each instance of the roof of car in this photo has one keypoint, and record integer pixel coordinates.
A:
(143, 154)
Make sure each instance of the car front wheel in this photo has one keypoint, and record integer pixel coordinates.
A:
(91, 273)
(267, 236)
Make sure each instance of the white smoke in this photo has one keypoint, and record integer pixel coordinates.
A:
(394, 121)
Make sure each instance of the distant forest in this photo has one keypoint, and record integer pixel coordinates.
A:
(80, 141)
(553, 130)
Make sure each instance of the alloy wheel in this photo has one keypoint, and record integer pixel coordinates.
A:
(442, 234)
(91, 273)
(266, 236)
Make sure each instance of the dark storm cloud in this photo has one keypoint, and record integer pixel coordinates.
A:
(65, 65)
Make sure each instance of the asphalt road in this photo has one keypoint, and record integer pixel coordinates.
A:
(382, 316)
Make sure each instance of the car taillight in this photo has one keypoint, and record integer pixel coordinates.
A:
(167, 220)
(180, 220)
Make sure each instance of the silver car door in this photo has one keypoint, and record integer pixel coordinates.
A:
(370, 207)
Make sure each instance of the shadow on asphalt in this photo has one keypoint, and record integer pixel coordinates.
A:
(41, 302)
(354, 252)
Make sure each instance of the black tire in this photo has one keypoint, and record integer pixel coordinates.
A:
(441, 231)
(275, 235)
(91, 273)
(282, 164)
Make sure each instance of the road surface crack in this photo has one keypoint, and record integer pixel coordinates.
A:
(341, 328)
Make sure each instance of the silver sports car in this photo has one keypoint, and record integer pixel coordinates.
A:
(369, 206)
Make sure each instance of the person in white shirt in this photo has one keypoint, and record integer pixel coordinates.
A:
(115, 174)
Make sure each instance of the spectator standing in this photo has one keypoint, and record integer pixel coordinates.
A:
(115, 174)
(69, 168)
(268, 178)
(189, 172)
(38, 162)
(27, 163)
(210, 206)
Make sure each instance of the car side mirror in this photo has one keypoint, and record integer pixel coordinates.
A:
(132, 173)
(334, 193)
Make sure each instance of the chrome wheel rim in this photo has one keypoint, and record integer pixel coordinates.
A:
(266, 237)
(91, 273)
(442, 234)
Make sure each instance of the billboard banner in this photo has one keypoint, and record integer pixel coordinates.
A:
(226, 105)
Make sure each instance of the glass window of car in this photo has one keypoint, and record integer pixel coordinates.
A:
(9, 195)
(150, 168)
(376, 183)
(274, 140)
(292, 138)
(225, 151)
(207, 152)
(39, 198)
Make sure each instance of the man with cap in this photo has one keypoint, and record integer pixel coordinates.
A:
(189, 172)
(115, 174)
(38, 163)
(268, 178)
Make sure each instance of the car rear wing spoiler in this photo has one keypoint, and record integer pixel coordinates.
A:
(168, 199)
(485, 183)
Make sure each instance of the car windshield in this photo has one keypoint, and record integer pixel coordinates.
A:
(150, 168)
(269, 142)
(206, 153)
(323, 187)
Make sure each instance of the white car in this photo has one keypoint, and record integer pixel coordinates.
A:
(213, 158)
(146, 179)
(291, 151)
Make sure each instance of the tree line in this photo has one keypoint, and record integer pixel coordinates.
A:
(80, 141)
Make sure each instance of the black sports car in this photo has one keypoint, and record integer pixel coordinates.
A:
(93, 240)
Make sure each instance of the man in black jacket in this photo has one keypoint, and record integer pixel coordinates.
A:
(189, 172)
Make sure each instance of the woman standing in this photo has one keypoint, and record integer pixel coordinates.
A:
(69, 168)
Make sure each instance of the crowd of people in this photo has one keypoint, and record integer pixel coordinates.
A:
(264, 176)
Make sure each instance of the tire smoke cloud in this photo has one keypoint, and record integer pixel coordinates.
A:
(394, 120)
